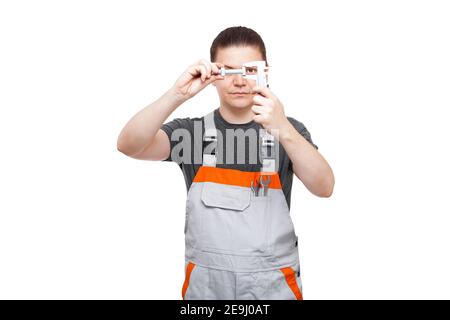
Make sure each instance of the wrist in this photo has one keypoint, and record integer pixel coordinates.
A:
(287, 131)
(174, 98)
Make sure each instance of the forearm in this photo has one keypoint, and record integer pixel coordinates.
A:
(143, 126)
(308, 164)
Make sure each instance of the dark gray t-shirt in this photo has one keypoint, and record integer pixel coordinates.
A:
(189, 170)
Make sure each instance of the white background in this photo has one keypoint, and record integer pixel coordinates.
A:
(369, 79)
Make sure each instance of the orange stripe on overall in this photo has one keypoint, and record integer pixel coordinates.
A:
(234, 177)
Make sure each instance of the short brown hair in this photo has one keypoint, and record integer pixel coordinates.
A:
(237, 36)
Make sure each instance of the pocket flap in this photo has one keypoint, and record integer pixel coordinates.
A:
(225, 196)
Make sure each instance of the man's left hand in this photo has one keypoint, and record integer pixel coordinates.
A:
(268, 109)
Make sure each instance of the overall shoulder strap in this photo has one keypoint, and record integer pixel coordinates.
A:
(269, 151)
(210, 135)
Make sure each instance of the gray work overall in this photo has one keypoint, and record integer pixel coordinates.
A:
(239, 245)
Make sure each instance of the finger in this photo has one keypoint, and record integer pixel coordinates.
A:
(215, 69)
(217, 66)
(202, 71)
(260, 100)
(264, 91)
(207, 66)
(214, 78)
(258, 109)
(193, 70)
(258, 118)
(196, 70)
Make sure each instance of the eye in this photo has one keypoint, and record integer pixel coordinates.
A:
(251, 70)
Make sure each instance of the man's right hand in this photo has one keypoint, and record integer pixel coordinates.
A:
(196, 78)
(142, 137)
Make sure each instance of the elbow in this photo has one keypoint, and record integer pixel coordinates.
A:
(327, 187)
(123, 145)
(121, 149)
(326, 192)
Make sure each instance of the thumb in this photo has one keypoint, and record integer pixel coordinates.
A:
(213, 78)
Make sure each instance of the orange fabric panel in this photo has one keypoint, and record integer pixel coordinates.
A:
(189, 269)
(289, 275)
(234, 177)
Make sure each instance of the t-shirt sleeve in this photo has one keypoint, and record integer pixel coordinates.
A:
(171, 126)
(300, 127)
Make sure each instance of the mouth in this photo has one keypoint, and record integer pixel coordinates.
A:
(238, 93)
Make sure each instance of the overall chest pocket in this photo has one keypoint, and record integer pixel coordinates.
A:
(233, 221)
(215, 195)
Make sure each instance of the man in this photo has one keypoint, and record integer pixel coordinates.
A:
(240, 240)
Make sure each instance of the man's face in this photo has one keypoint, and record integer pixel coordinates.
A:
(235, 91)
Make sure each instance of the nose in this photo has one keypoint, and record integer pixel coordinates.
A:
(238, 80)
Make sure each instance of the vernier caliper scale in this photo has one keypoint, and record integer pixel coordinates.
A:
(248, 71)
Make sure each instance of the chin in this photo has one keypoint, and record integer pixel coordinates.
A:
(240, 104)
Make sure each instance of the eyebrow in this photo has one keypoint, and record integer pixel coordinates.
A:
(230, 67)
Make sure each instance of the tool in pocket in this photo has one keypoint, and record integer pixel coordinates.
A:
(255, 186)
(265, 184)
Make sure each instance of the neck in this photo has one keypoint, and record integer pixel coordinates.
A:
(236, 115)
